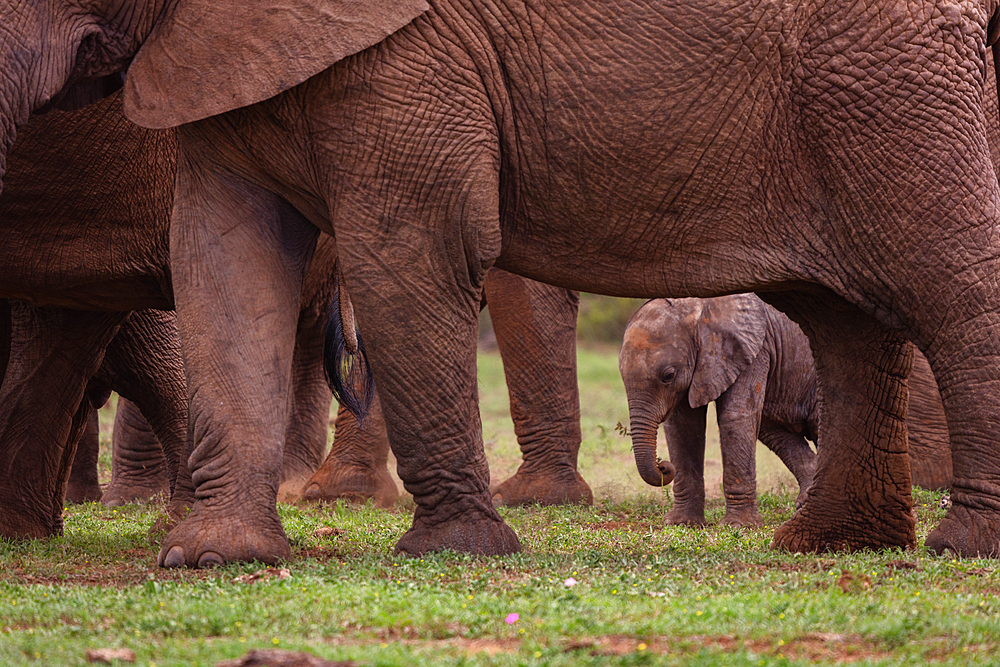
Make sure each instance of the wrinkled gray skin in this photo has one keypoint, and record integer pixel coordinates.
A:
(832, 156)
(680, 354)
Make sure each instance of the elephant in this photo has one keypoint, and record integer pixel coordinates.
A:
(679, 355)
(127, 266)
(832, 157)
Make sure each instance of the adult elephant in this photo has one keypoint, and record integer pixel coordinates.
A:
(84, 228)
(831, 156)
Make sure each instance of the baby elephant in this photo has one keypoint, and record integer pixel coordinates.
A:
(678, 356)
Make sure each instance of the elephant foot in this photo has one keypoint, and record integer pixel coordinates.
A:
(800, 499)
(336, 480)
(807, 532)
(208, 537)
(473, 533)
(968, 532)
(681, 516)
(290, 489)
(742, 517)
(543, 488)
(82, 493)
(122, 492)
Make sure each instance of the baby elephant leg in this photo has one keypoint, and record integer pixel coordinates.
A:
(795, 452)
(685, 429)
(739, 412)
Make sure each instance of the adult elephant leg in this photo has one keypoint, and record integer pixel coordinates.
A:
(238, 254)
(138, 467)
(416, 284)
(795, 453)
(969, 382)
(54, 353)
(685, 432)
(860, 496)
(930, 447)
(535, 326)
(83, 483)
(4, 337)
(144, 365)
(356, 467)
(305, 440)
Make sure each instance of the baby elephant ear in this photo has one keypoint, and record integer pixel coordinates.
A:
(730, 334)
(206, 57)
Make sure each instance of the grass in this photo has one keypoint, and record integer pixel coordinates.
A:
(645, 594)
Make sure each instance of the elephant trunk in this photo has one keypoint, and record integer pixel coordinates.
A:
(652, 471)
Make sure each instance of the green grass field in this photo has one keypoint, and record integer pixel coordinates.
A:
(644, 594)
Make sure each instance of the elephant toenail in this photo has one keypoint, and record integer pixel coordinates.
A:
(210, 559)
(497, 499)
(174, 558)
(311, 492)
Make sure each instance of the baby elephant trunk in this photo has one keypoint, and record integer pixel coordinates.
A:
(652, 471)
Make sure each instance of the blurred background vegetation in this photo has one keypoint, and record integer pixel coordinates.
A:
(602, 319)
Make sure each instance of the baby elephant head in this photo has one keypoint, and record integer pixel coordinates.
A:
(677, 349)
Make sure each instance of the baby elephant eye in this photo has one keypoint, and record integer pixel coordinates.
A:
(667, 375)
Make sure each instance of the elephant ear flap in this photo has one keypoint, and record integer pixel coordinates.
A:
(206, 57)
(730, 334)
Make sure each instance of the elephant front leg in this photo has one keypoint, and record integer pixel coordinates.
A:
(416, 283)
(535, 326)
(238, 255)
(54, 353)
(860, 496)
(739, 413)
(423, 354)
(356, 469)
(685, 431)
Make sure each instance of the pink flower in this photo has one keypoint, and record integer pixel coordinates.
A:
(511, 619)
(570, 583)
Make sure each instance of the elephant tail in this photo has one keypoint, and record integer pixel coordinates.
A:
(345, 362)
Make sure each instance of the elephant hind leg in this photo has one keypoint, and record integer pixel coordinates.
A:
(535, 326)
(795, 453)
(356, 468)
(138, 469)
(860, 496)
(83, 482)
